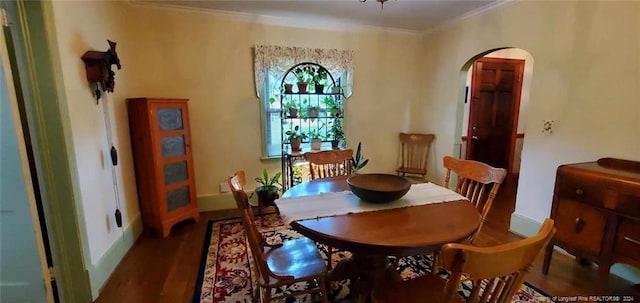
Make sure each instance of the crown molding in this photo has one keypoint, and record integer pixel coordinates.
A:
(279, 21)
(476, 12)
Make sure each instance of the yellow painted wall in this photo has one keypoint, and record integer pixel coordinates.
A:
(586, 78)
(208, 59)
(587, 71)
(82, 26)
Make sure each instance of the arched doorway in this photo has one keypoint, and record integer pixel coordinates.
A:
(490, 119)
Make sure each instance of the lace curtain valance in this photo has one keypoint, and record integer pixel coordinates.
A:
(278, 59)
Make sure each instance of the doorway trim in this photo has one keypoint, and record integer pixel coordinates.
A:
(45, 108)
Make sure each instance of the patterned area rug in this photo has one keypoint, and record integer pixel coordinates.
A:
(226, 275)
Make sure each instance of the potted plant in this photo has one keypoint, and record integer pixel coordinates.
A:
(302, 73)
(316, 137)
(358, 162)
(336, 133)
(313, 111)
(288, 88)
(304, 109)
(332, 106)
(319, 78)
(268, 190)
(295, 138)
(290, 107)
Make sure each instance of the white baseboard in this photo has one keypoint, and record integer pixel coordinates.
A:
(100, 271)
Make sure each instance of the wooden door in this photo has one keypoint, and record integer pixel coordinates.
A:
(493, 113)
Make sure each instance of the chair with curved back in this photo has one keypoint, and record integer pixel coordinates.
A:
(495, 273)
(414, 154)
(325, 164)
(281, 264)
(477, 181)
(329, 163)
(239, 180)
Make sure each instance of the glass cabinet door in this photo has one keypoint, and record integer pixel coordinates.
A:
(178, 198)
(170, 118)
(172, 146)
(173, 150)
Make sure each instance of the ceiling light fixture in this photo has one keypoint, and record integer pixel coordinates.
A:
(381, 2)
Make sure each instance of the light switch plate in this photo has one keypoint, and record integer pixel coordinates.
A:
(224, 187)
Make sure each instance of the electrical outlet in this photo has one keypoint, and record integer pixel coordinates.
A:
(547, 126)
(224, 187)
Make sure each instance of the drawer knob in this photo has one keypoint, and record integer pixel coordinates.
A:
(579, 225)
(579, 192)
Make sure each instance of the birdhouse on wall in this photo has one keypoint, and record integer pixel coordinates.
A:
(98, 68)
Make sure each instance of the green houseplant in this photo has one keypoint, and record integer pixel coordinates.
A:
(269, 187)
(319, 78)
(303, 75)
(358, 162)
(332, 106)
(336, 133)
(290, 108)
(295, 138)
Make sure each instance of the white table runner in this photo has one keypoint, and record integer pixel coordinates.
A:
(340, 203)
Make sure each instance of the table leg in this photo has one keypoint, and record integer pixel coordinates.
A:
(365, 272)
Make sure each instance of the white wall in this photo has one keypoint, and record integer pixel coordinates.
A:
(586, 76)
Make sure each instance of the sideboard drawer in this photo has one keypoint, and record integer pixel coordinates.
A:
(581, 225)
(575, 188)
(628, 239)
(627, 204)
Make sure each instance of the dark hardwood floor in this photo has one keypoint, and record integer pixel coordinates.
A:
(158, 269)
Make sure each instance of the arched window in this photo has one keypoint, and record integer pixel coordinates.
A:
(270, 65)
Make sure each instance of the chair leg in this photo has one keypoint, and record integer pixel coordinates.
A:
(329, 255)
(395, 263)
(323, 289)
(256, 295)
(434, 263)
(267, 295)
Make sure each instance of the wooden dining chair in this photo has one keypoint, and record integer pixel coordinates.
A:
(414, 154)
(495, 273)
(282, 264)
(329, 163)
(325, 164)
(239, 180)
(477, 181)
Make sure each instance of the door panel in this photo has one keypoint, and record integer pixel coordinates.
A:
(492, 116)
(21, 271)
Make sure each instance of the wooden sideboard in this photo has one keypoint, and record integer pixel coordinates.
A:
(596, 208)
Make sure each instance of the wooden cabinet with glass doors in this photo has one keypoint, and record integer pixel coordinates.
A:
(312, 116)
(161, 143)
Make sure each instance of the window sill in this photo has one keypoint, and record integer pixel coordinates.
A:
(269, 158)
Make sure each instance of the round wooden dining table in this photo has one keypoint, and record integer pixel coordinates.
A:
(373, 236)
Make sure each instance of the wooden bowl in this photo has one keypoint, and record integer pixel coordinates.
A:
(378, 188)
